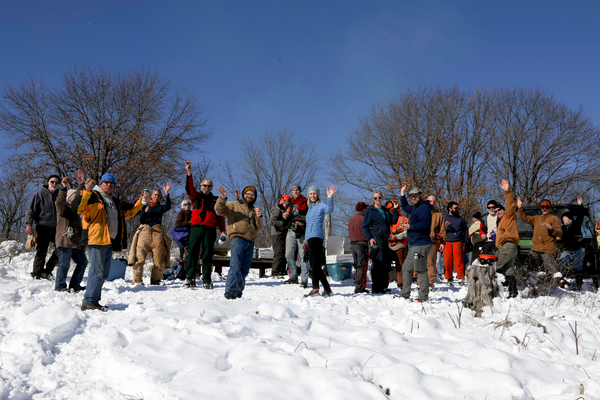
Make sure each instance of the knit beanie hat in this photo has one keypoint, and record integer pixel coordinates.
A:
(296, 187)
(107, 177)
(360, 206)
(70, 193)
(569, 215)
(315, 189)
(53, 176)
(249, 188)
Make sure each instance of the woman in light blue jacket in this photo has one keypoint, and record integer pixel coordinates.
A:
(315, 236)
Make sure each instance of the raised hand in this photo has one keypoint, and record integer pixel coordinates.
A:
(188, 167)
(403, 189)
(166, 188)
(223, 192)
(89, 184)
(65, 181)
(237, 194)
(505, 186)
(257, 211)
(519, 202)
(579, 201)
(332, 189)
(80, 177)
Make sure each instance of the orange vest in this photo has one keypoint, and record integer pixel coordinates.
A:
(396, 230)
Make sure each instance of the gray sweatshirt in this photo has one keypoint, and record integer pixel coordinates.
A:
(111, 212)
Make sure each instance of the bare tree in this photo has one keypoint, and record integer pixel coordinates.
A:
(425, 137)
(546, 148)
(134, 124)
(273, 162)
(456, 144)
(14, 199)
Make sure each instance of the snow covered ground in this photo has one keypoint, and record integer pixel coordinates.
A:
(169, 342)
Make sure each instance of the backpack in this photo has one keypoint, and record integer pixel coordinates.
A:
(173, 271)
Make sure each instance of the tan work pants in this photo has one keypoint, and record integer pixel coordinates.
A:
(150, 240)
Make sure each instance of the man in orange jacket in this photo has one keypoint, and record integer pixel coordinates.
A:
(104, 216)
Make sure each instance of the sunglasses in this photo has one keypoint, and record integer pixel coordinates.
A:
(187, 204)
(377, 198)
(546, 207)
(491, 208)
(206, 185)
(250, 194)
(109, 183)
(54, 182)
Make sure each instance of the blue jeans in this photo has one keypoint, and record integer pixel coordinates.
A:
(440, 263)
(574, 258)
(291, 245)
(100, 259)
(64, 262)
(242, 251)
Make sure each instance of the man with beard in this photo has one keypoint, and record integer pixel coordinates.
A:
(279, 229)
(456, 237)
(295, 238)
(507, 239)
(546, 228)
(244, 221)
(42, 212)
(490, 220)
(419, 242)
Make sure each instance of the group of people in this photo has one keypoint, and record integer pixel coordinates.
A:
(415, 241)
(55, 211)
(297, 232)
(411, 234)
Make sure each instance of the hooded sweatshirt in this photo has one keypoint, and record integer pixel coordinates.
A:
(111, 212)
(419, 222)
(242, 221)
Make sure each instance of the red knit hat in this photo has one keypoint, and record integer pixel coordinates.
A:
(360, 206)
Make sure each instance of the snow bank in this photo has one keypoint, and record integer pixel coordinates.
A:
(169, 342)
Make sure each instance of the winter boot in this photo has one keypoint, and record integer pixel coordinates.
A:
(511, 282)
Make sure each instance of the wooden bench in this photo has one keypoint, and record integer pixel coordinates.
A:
(262, 264)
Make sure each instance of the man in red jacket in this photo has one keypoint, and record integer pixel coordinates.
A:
(203, 230)
(359, 246)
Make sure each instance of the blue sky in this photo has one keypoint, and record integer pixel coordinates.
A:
(310, 67)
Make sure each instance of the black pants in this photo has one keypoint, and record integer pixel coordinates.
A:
(360, 252)
(316, 258)
(279, 261)
(45, 236)
(382, 265)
